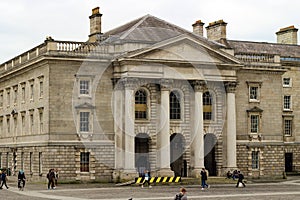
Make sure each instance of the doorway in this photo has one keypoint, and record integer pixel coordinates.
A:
(177, 147)
(142, 163)
(288, 162)
(210, 164)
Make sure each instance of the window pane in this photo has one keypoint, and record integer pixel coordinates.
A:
(254, 124)
(253, 92)
(140, 104)
(207, 106)
(84, 121)
(288, 127)
(84, 161)
(286, 81)
(255, 159)
(287, 102)
(84, 87)
(175, 110)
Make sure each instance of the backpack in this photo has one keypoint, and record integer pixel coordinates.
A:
(178, 196)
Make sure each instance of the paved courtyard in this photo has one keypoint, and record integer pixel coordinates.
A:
(288, 190)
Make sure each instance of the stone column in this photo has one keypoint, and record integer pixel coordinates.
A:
(164, 133)
(129, 154)
(198, 133)
(118, 111)
(231, 125)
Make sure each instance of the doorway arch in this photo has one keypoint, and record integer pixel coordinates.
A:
(210, 141)
(142, 163)
(177, 148)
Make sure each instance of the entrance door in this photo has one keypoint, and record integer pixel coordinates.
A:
(142, 153)
(177, 145)
(210, 141)
(288, 162)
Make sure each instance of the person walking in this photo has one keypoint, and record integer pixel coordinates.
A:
(203, 174)
(146, 179)
(3, 179)
(21, 178)
(56, 176)
(181, 195)
(51, 177)
(240, 179)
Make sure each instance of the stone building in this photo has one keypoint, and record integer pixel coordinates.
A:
(152, 95)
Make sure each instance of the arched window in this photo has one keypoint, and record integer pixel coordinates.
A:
(175, 111)
(141, 104)
(207, 106)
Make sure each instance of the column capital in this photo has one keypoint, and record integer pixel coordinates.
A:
(130, 83)
(199, 85)
(165, 84)
(230, 86)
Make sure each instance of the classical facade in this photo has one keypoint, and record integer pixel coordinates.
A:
(151, 95)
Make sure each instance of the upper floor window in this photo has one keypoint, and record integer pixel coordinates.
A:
(84, 121)
(84, 87)
(207, 106)
(287, 82)
(254, 123)
(287, 102)
(175, 110)
(15, 88)
(8, 96)
(141, 104)
(31, 90)
(287, 127)
(254, 91)
(1, 98)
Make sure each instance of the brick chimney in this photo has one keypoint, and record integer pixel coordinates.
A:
(287, 35)
(216, 30)
(198, 27)
(95, 25)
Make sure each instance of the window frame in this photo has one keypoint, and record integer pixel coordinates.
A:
(251, 85)
(175, 106)
(85, 161)
(141, 107)
(286, 85)
(255, 159)
(287, 105)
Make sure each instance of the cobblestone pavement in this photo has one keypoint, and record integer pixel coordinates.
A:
(288, 190)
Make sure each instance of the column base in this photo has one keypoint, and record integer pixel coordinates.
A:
(196, 172)
(167, 172)
(124, 175)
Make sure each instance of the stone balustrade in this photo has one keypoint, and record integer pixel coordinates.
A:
(51, 47)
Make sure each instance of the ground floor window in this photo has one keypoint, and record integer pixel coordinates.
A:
(84, 161)
(255, 159)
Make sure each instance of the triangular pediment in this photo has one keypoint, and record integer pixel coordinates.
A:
(184, 48)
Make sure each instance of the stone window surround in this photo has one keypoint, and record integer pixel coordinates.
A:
(254, 84)
(88, 78)
(287, 85)
(287, 117)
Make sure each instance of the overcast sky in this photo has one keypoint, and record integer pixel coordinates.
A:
(25, 24)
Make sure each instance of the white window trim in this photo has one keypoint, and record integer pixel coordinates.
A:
(254, 84)
(287, 86)
(287, 109)
(91, 119)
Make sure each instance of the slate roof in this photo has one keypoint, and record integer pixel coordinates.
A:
(284, 50)
(150, 29)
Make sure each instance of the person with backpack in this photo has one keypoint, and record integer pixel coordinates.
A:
(203, 174)
(240, 179)
(181, 195)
